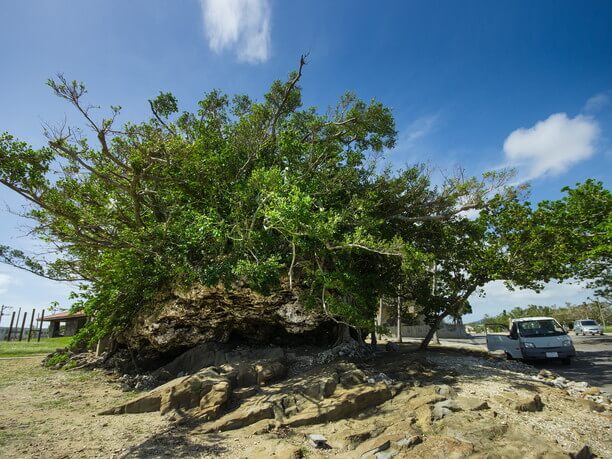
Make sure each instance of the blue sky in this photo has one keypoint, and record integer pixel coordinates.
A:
(477, 83)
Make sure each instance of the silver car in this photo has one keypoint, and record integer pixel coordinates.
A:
(591, 327)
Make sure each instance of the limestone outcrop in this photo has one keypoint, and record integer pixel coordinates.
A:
(181, 320)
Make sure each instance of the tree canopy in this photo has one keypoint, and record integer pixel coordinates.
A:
(267, 193)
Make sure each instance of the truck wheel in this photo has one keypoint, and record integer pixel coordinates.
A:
(509, 356)
(566, 361)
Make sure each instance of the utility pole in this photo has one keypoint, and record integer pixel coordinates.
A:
(399, 319)
(2, 308)
(8, 336)
(42, 317)
(433, 294)
(31, 325)
(17, 321)
(25, 316)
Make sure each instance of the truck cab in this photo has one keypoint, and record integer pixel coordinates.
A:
(531, 338)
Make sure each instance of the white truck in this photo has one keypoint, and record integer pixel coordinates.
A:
(531, 338)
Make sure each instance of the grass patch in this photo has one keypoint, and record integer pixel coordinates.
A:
(24, 349)
(58, 358)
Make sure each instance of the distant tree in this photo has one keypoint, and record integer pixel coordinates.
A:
(577, 231)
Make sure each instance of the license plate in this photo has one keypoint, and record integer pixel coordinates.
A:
(552, 354)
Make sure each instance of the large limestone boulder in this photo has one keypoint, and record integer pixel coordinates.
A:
(208, 389)
(183, 319)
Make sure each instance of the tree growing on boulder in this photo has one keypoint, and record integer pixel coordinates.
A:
(240, 192)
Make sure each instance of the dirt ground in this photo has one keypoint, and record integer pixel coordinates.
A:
(53, 414)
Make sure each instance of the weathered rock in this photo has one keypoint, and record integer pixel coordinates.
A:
(246, 415)
(293, 410)
(287, 452)
(584, 453)
(530, 404)
(319, 388)
(441, 447)
(318, 441)
(472, 404)
(352, 378)
(546, 374)
(439, 412)
(425, 399)
(342, 404)
(592, 391)
(591, 405)
(354, 439)
(376, 445)
(446, 391)
(208, 389)
(183, 319)
(409, 442)
(444, 408)
(449, 405)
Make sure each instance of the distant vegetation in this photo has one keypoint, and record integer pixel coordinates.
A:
(565, 315)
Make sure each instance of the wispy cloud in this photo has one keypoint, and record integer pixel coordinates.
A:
(597, 102)
(419, 128)
(553, 145)
(242, 26)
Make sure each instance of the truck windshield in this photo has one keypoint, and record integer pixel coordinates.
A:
(540, 328)
(589, 322)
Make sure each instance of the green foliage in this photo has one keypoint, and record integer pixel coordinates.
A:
(57, 358)
(265, 194)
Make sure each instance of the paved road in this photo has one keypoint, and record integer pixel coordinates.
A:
(593, 361)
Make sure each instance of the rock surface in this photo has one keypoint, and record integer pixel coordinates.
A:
(184, 319)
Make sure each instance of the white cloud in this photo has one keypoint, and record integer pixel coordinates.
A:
(498, 297)
(553, 145)
(239, 25)
(470, 214)
(597, 102)
(5, 281)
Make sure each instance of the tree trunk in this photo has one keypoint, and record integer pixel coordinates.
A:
(348, 335)
(350, 342)
(433, 328)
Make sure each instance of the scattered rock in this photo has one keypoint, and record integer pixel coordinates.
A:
(531, 404)
(409, 442)
(342, 404)
(592, 391)
(439, 412)
(472, 404)
(318, 441)
(559, 382)
(446, 391)
(392, 347)
(584, 453)
(546, 374)
(376, 445)
(352, 378)
(442, 447)
(591, 405)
